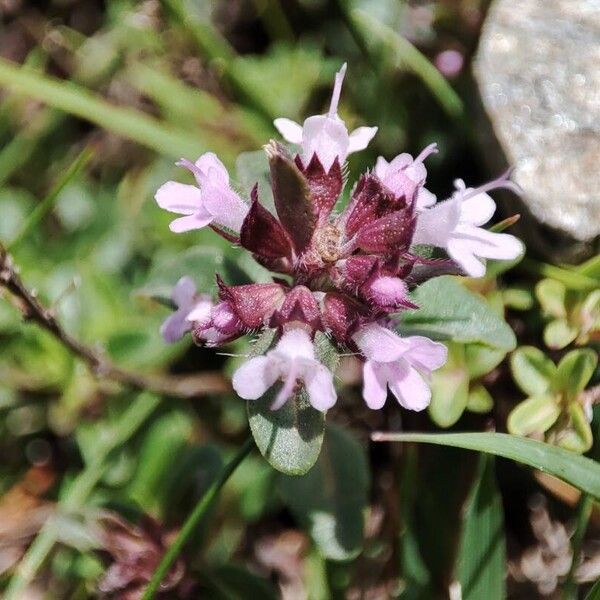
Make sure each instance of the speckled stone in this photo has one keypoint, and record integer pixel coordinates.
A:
(538, 69)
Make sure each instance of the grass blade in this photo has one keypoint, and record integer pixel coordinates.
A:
(194, 520)
(46, 205)
(581, 472)
(370, 28)
(127, 122)
(482, 558)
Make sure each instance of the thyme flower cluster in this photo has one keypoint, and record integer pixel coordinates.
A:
(344, 273)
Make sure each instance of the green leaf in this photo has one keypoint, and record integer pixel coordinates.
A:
(163, 447)
(450, 311)
(558, 334)
(532, 370)
(518, 298)
(551, 294)
(330, 500)
(449, 388)
(290, 438)
(594, 593)
(578, 437)
(481, 359)
(571, 278)
(480, 401)
(253, 168)
(579, 471)
(482, 555)
(534, 415)
(591, 267)
(267, 76)
(199, 262)
(575, 370)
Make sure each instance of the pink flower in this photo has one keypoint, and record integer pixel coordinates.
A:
(326, 135)
(398, 363)
(455, 226)
(405, 176)
(213, 201)
(191, 309)
(292, 360)
(222, 325)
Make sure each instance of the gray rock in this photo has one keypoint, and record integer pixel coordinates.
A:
(538, 69)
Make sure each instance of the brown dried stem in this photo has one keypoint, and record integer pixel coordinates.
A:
(33, 310)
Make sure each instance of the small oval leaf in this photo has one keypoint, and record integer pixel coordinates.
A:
(575, 370)
(480, 400)
(450, 388)
(558, 334)
(578, 437)
(532, 370)
(534, 415)
(290, 438)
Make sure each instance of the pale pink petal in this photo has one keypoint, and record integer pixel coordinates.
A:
(400, 162)
(380, 344)
(478, 209)
(183, 292)
(201, 313)
(381, 167)
(224, 318)
(435, 225)
(416, 172)
(212, 168)
(179, 198)
(425, 354)
(290, 130)
(224, 205)
(287, 389)
(195, 221)
(211, 336)
(425, 199)
(374, 385)
(175, 326)
(295, 343)
(487, 244)
(318, 381)
(360, 138)
(460, 251)
(410, 389)
(327, 137)
(254, 378)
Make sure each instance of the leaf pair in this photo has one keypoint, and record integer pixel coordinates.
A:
(555, 407)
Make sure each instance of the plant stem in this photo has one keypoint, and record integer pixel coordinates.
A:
(584, 510)
(75, 497)
(195, 518)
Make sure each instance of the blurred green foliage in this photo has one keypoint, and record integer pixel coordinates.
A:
(96, 103)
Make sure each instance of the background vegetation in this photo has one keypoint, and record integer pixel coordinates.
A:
(109, 437)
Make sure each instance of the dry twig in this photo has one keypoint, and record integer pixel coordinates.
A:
(32, 310)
